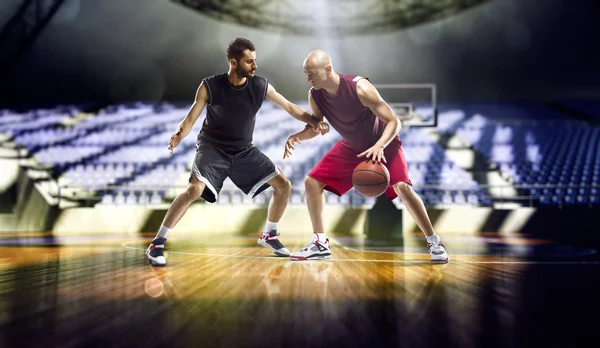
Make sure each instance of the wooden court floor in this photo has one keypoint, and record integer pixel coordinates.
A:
(225, 290)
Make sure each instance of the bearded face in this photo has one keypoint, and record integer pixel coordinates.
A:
(246, 66)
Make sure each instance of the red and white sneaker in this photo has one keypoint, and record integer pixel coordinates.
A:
(315, 250)
(155, 254)
(270, 241)
(437, 250)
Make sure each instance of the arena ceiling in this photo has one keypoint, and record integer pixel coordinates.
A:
(339, 17)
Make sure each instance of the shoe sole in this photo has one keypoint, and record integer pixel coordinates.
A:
(266, 245)
(315, 257)
(440, 261)
(154, 263)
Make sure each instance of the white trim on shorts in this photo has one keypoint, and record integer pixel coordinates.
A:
(204, 180)
(264, 181)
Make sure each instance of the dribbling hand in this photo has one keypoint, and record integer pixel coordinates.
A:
(375, 152)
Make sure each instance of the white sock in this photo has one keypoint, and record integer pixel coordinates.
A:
(321, 237)
(270, 226)
(162, 232)
(434, 238)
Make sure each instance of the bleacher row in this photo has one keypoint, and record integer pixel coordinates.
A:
(119, 154)
(545, 154)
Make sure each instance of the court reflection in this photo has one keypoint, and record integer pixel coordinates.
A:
(240, 296)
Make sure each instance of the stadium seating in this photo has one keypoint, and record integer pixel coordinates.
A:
(552, 158)
(120, 153)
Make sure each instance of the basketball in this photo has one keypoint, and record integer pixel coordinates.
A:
(370, 178)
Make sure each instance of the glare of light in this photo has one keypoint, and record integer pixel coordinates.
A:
(326, 38)
(153, 287)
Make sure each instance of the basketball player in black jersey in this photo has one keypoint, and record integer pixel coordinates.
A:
(224, 147)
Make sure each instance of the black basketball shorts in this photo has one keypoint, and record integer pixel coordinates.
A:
(249, 170)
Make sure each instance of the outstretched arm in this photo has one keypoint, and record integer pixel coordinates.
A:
(369, 97)
(297, 112)
(185, 126)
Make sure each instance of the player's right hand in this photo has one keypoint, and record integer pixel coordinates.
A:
(289, 145)
(175, 139)
(322, 127)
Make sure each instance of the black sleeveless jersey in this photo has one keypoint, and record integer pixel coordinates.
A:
(231, 111)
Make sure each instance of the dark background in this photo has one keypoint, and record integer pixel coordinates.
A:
(113, 50)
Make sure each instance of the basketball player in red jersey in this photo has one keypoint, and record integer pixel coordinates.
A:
(369, 129)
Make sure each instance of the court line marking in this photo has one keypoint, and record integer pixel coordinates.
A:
(593, 251)
(126, 246)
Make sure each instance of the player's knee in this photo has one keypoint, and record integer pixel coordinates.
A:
(312, 185)
(287, 185)
(402, 189)
(282, 184)
(194, 190)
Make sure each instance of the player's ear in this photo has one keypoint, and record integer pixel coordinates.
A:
(328, 69)
(233, 62)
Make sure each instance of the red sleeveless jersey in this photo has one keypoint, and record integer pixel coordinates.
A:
(357, 125)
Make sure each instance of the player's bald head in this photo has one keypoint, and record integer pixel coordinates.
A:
(318, 69)
(317, 59)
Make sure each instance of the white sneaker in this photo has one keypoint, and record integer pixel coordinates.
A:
(316, 249)
(270, 241)
(155, 254)
(437, 250)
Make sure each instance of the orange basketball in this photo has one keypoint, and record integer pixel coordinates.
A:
(370, 178)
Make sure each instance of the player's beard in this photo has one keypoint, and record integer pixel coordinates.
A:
(242, 73)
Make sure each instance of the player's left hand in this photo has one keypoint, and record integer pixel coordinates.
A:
(375, 152)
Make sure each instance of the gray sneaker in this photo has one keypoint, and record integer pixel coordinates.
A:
(437, 250)
(315, 250)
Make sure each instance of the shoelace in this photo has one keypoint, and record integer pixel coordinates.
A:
(309, 245)
(268, 235)
(437, 247)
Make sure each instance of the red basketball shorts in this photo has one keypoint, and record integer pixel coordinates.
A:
(336, 167)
